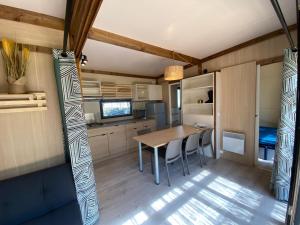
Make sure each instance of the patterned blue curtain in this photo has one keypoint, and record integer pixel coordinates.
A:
(283, 159)
(75, 135)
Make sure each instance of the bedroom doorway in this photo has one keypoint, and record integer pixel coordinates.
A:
(269, 84)
(175, 104)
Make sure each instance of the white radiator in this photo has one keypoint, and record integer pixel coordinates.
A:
(234, 142)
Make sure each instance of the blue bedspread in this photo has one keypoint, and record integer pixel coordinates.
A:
(267, 136)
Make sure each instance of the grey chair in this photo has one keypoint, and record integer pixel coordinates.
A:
(192, 147)
(173, 153)
(205, 141)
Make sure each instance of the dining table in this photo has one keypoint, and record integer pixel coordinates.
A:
(160, 138)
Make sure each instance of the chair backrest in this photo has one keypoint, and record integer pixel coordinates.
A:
(174, 149)
(206, 137)
(144, 131)
(192, 142)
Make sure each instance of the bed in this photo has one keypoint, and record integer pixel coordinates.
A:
(267, 139)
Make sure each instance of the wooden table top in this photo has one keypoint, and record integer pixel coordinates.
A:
(163, 137)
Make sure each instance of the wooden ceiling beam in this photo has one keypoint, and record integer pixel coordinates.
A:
(117, 74)
(83, 16)
(25, 16)
(122, 41)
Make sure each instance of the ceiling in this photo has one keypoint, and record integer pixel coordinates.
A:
(117, 59)
(55, 8)
(197, 28)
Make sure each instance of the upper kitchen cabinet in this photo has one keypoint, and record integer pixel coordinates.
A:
(154, 92)
(151, 92)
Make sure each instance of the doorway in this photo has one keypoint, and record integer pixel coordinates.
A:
(269, 84)
(175, 104)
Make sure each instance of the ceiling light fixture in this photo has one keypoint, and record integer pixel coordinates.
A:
(84, 60)
(174, 72)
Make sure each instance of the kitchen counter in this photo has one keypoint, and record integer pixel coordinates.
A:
(115, 123)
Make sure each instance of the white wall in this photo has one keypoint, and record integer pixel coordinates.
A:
(270, 94)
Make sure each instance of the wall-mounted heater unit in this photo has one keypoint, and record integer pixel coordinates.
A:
(234, 142)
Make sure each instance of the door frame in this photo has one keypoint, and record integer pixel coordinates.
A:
(256, 154)
(170, 101)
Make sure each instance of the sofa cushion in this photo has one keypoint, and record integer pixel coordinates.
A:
(68, 214)
(33, 195)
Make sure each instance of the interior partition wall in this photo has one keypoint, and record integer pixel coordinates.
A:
(77, 149)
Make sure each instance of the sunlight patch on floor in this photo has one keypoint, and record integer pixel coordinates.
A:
(201, 175)
(279, 211)
(160, 203)
(196, 212)
(237, 192)
(227, 206)
(137, 219)
(187, 185)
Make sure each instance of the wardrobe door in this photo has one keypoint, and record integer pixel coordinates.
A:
(236, 108)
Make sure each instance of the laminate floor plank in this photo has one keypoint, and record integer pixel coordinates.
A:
(222, 192)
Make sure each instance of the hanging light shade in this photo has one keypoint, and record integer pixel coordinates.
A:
(173, 73)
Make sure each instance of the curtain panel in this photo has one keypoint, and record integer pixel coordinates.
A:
(75, 135)
(283, 158)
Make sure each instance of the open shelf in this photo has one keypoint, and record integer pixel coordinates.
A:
(197, 88)
(12, 103)
(91, 89)
(194, 90)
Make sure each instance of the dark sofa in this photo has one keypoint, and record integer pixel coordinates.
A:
(46, 197)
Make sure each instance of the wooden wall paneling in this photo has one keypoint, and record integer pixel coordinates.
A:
(30, 17)
(264, 50)
(237, 104)
(33, 140)
(31, 34)
(249, 43)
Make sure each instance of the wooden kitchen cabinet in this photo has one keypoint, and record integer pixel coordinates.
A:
(154, 92)
(117, 139)
(149, 124)
(107, 142)
(145, 92)
(99, 146)
(131, 131)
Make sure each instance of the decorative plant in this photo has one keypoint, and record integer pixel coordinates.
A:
(15, 61)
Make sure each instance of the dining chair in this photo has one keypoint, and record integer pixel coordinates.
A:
(192, 147)
(173, 153)
(205, 140)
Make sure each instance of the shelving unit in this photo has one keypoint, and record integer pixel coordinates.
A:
(124, 91)
(12, 103)
(141, 92)
(91, 89)
(108, 90)
(94, 89)
(194, 91)
(112, 90)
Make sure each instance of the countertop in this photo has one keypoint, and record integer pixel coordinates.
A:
(115, 123)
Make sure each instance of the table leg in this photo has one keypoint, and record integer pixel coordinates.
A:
(140, 157)
(156, 166)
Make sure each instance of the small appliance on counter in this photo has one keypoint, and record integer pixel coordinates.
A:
(90, 118)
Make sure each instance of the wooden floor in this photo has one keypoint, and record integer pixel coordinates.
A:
(222, 192)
